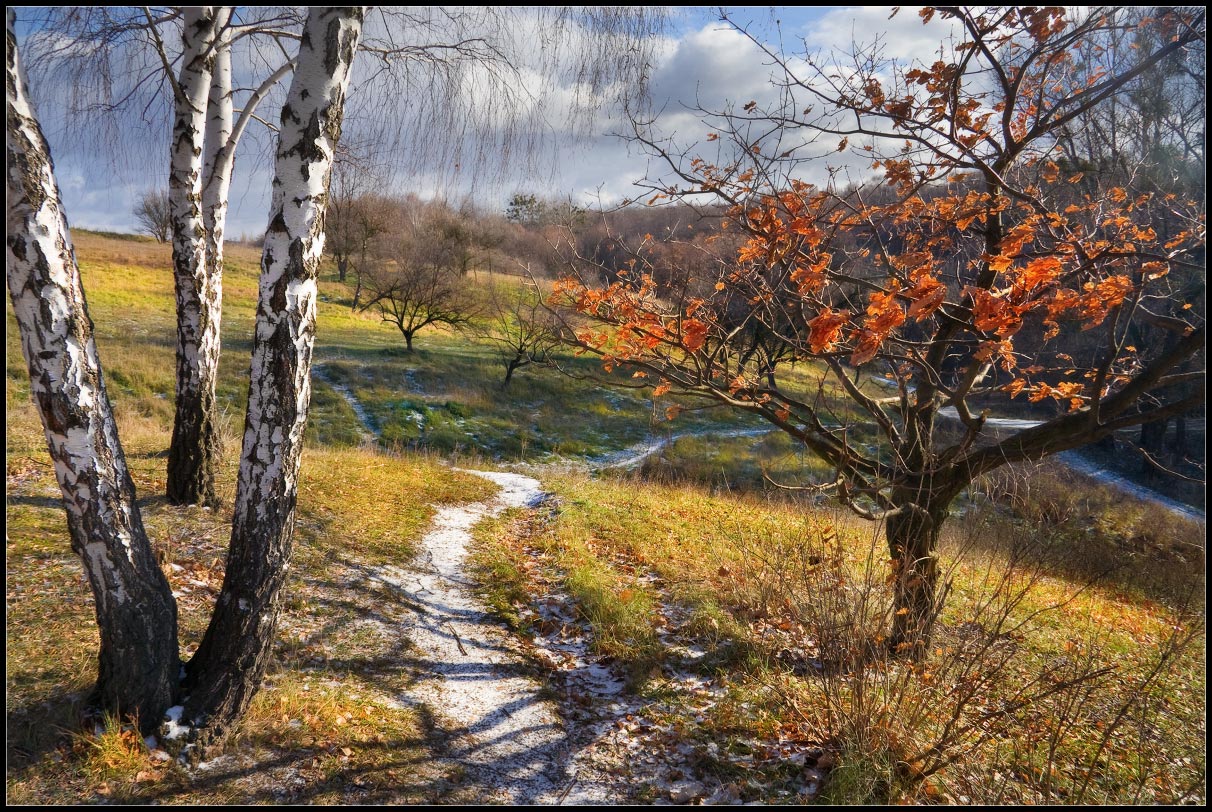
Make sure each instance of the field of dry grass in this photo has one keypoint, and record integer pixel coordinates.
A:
(1068, 667)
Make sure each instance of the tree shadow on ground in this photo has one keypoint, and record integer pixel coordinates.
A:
(42, 725)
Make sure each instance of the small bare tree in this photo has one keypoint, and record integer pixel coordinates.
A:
(350, 224)
(516, 322)
(153, 214)
(419, 277)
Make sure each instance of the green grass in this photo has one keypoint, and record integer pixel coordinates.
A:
(446, 396)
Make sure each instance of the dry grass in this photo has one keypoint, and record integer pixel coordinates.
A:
(1048, 681)
(1048, 586)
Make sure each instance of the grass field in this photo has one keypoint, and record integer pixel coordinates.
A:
(1070, 657)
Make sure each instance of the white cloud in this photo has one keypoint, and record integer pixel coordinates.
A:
(708, 64)
(903, 37)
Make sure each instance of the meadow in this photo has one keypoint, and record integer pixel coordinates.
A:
(1068, 665)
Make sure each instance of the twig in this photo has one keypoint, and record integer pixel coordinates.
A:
(564, 792)
(458, 642)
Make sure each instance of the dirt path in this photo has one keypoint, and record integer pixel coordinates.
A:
(508, 738)
(369, 433)
(634, 455)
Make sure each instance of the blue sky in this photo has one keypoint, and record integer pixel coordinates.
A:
(702, 59)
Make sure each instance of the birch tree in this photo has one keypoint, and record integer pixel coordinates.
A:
(226, 671)
(135, 610)
(191, 455)
(206, 134)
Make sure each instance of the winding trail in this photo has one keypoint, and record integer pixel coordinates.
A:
(507, 736)
(514, 744)
(370, 434)
(1074, 460)
(632, 456)
(500, 728)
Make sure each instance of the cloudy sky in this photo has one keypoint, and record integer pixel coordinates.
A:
(701, 62)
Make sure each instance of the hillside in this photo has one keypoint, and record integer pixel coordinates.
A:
(680, 633)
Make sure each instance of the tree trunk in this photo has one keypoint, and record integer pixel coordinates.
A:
(407, 339)
(912, 537)
(136, 613)
(231, 660)
(1152, 442)
(193, 453)
(514, 364)
(343, 269)
(1178, 448)
(912, 541)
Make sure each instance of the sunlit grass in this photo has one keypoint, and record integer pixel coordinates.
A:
(763, 578)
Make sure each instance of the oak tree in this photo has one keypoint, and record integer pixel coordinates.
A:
(418, 279)
(978, 265)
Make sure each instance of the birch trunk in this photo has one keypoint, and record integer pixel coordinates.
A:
(227, 670)
(216, 171)
(136, 613)
(193, 454)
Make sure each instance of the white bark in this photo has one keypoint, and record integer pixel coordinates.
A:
(185, 170)
(135, 610)
(235, 651)
(193, 451)
(294, 242)
(219, 162)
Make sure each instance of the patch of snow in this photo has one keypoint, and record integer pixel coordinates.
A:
(636, 454)
(369, 434)
(503, 731)
(171, 727)
(1074, 460)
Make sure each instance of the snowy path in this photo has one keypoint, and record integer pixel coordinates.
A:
(369, 433)
(502, 731)
(509, 739)
(636, 454)
(1074, 460)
